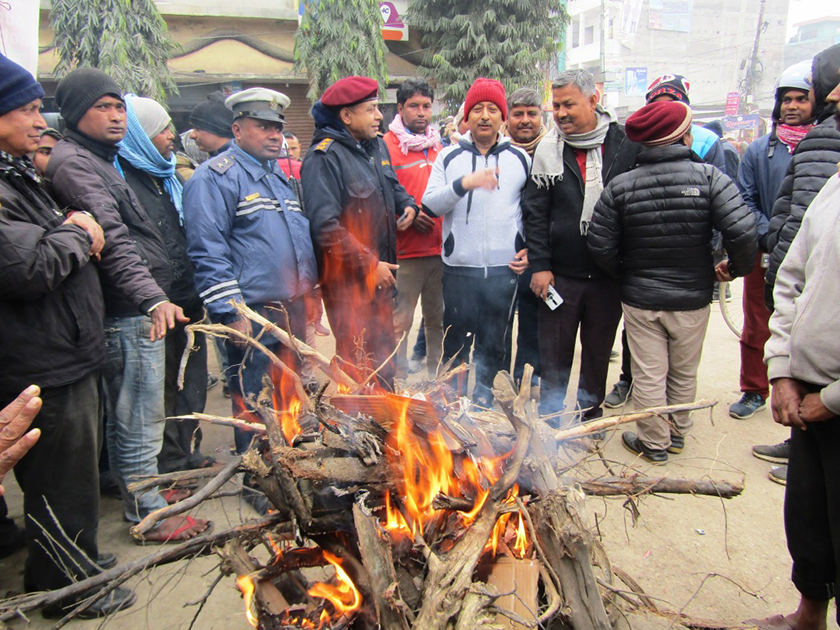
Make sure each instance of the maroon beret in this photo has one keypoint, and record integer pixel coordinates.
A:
(350, 91)
(658, 124)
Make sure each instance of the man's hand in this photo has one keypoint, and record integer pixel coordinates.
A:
(785, 401)
(540, 282)
(14, 421)
(89, 225)
(243, 325)
(487, 179)
(520, 262)
(722, 272)
(812, 409)
(423, 223)
(164, 316)
(407, 218)
(384, 277)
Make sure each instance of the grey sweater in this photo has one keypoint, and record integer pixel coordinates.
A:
(804, 342)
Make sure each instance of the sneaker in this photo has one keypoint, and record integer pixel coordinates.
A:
(633, 444)
(779, 475)
(776, 453)
(118, 599)
(747, 407)
(618, 396)
(677, 444)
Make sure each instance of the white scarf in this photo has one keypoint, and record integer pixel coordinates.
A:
(548, 161)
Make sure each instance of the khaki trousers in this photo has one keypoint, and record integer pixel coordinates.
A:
(420, 278)
(666, 348)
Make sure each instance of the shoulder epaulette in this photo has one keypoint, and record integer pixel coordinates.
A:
(324, 145)
(222, 164)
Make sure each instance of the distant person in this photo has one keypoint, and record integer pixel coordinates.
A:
(41, 157)
(652, 229)
(761, 174)
(413, 145)
(803, 362)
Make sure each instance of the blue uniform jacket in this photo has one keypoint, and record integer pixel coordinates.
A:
(759, 179)
(246, 234)
(707, 145)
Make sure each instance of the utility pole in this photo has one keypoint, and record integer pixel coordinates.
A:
(748, 85)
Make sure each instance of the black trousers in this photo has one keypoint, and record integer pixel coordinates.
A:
(61, 473)
(812, 509)
(178, 452)
(527, 338)
(626, 358)
(594, 307)
(478, 310)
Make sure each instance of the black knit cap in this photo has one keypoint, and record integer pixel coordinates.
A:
(78, 91)
(17, 86)
(213, 116)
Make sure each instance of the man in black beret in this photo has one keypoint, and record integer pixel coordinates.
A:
(211, 122)
(353, 198)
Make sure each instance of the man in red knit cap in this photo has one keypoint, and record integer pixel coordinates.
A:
(476, 186)
(652, 229)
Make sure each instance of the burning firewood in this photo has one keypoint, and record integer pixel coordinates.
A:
(404, 513)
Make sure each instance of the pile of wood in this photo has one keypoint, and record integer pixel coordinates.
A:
(352, 542)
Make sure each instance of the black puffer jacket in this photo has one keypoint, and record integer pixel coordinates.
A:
(551, 214)
(813, 162)
(652, 227)
(50, 299)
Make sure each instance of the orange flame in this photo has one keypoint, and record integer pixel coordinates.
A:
(344, 596)
(246, 585)
(520, 547)
(286, 404)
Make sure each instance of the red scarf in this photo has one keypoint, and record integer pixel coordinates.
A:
(791, 136)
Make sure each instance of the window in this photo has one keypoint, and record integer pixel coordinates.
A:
(588, 35)
(575, 33)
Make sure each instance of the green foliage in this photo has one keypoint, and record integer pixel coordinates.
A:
(337, 39)
(513, 41)
(128, 39)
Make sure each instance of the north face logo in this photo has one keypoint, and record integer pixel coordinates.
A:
(690, 192)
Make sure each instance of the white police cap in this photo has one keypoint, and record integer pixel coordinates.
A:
(259, 103)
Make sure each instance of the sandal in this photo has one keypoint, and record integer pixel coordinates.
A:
(176, 494)
(177, 536)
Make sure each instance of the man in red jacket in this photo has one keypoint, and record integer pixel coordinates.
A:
(414, 143)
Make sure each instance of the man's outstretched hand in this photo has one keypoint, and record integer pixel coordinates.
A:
(15, 419)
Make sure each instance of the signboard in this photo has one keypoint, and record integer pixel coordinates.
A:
(635, 81)
(394, 27)
(733, 101)
(19, 29)
(738, 123)
(670, 15)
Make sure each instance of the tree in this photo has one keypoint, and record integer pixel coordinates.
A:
(337, 39)
(128, 39)
(509, 40)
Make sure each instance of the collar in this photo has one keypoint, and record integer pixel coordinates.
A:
(20, 166)
(100, 149)
(221, 149)
(255, 168)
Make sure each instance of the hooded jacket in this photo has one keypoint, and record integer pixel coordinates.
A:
(482, 229)
(351, 198)
(813, 162)
(652, 227)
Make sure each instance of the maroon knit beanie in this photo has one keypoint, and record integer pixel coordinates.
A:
(486, 90)
(658, 124)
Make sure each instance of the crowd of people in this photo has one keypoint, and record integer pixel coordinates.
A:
(113, 238)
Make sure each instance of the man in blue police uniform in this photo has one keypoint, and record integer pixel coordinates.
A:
(249, 240)
(352, 197)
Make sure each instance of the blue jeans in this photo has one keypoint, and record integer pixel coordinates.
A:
(245, 370)
(133, 377)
